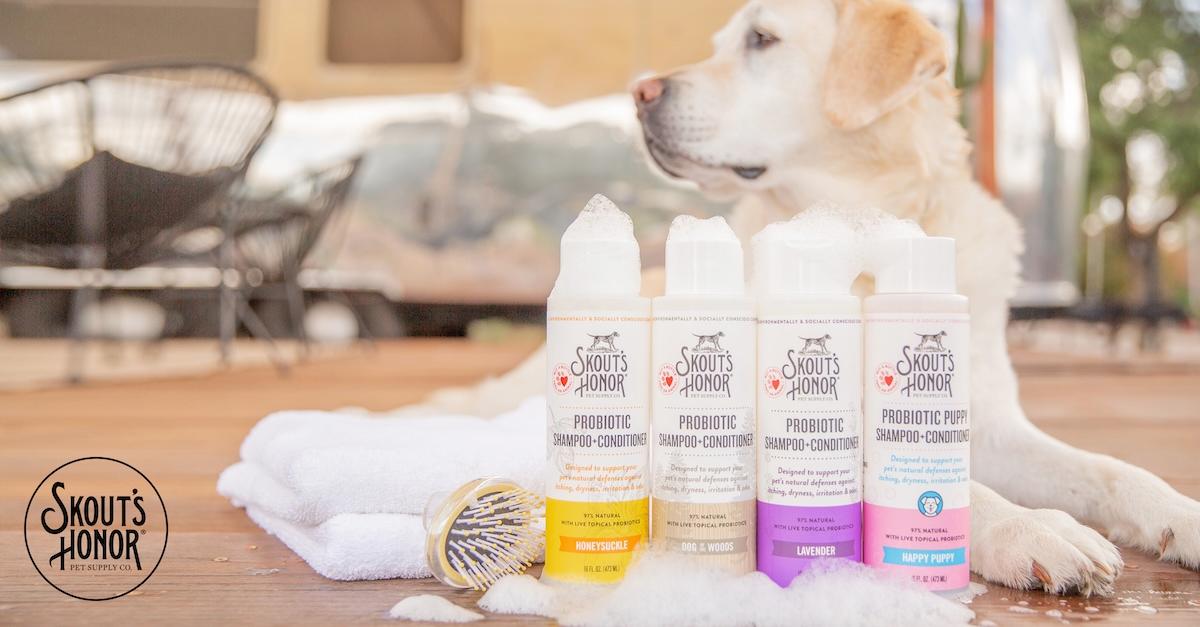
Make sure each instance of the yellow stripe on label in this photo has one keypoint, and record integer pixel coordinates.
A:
(593, 542)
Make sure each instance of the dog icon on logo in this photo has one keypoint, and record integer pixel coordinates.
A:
(930, 504)
(815, 345)
(709, 343)
(931, 343)
(604, 343)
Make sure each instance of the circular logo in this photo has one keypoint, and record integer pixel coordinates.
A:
(561, 379)
(667, 379)
(773, 382)
(929, 504)
(96, 528)
(885, 378)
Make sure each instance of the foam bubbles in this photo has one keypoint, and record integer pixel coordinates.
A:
(822, 249)
(668, 589)
(599, 253)
(519, 594)
(704, 257)
(431, 608)
(600, 220)
(691, 228)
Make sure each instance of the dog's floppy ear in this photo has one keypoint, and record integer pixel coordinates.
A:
(884, 51)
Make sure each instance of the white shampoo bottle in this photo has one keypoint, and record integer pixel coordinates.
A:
(917, 513)
(703, 396)
(809, 395)
(598, 396)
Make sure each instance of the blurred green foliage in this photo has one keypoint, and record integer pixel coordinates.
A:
(1140, 61)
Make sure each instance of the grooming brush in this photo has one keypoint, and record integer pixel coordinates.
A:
(481, 532)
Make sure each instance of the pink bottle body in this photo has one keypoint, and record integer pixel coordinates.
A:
(916, 511)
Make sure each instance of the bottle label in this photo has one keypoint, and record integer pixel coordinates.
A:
(917, 472)
(704, 423)
(597, 509)
(809, 455)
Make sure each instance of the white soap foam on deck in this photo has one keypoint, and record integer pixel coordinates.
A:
(519, 594)
(599, 254)
(664, 589)
(431, 608)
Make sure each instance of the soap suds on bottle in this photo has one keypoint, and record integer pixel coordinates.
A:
(691, 228)
(599, 254)
(664, 589)
(431, 608)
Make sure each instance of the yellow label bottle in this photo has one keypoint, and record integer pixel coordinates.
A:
(597, 362)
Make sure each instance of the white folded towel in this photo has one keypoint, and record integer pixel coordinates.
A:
(352, 547)
(338, 487)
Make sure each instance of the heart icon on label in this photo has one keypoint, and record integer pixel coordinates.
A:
(775, 384)
(888, 379)
(562, 380)
(669, 381)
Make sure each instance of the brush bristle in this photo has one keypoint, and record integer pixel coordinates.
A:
(494, 536)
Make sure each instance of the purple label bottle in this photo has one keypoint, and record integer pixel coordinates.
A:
(809, 398)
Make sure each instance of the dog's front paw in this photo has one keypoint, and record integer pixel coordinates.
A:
(1179, 541)
(1047, 549)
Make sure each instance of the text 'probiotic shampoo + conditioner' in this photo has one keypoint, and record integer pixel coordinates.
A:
(917, 475)
(703, 439)
(598, 379)
(809, 395)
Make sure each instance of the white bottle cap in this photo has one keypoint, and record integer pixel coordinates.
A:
(704, 257)
(913, 265)
(599, 254)
(812, 254)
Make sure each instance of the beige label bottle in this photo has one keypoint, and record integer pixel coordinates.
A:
(703, 361)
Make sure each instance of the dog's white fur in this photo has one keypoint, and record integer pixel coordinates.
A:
(847, 101)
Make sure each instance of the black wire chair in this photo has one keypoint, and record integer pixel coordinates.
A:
(271, 237)
(100, 173)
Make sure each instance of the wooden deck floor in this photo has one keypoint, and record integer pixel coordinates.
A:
(182, 432)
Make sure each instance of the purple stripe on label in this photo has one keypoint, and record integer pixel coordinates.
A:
(808, 550)
(791, 538)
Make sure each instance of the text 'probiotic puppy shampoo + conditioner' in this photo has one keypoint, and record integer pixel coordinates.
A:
(703, 391)
(917, 514)
(598, 380)
(809, 395)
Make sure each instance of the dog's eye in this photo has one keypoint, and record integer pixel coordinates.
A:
(758, 39)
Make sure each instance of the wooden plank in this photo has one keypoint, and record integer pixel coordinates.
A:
(183, 432)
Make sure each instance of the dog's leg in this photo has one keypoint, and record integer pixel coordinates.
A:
(1038, 548)
(1132, 505)
(489, 397)
(1011, 544)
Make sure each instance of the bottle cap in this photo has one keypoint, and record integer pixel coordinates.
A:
(811, 256)
(704, 257)
(599, 254)
(913, 265)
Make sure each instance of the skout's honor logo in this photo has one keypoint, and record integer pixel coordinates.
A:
(930, 504)
(96, 528)
(704, 369)
(599, 369)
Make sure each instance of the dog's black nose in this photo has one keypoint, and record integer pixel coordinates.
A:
(648, 90)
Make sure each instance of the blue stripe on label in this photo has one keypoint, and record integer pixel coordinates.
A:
(923, 557)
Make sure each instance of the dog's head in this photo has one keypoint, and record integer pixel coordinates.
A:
(787, 79)
(930, 505)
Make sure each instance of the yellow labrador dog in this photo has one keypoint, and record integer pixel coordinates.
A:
(847, 101)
